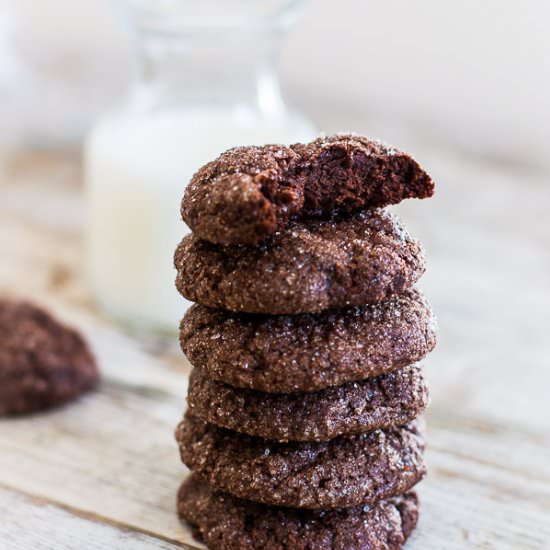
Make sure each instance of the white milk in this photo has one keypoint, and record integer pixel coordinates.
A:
(137, 167)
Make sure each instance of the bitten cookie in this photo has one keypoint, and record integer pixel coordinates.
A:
(391, 399)
(249, 193)
(309, 267)
(226, 523)
(346, 471)
(42, 363)
(308, 352)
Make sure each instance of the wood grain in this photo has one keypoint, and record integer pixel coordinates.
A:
(29, 522)
(106, 469)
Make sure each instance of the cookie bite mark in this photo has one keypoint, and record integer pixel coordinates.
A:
(248, 193)
(346, 172)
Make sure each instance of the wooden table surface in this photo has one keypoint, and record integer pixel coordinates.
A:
(103, 472)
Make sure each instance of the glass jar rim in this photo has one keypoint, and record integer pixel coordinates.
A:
(173, 17)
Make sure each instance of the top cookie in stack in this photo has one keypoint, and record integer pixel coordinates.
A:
(249, 193)
(305, 339)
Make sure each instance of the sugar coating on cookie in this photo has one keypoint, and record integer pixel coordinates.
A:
(224, 522)
(43, 363)
(345, 471)
(309, 267)
(249, 193)
(308, 352)
(388, 400)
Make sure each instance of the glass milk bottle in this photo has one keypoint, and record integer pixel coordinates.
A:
(205, 82)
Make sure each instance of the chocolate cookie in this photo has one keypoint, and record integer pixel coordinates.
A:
(345, 471)
(308, 352)
(388, 400)
(309, 267)
(227, 523)
(42, 363)
(249, 193)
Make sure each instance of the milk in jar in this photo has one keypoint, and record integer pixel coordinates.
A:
(197, 93)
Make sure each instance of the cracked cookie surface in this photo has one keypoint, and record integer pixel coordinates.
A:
(225, 523)
(307, 268)
(308, 352)
(43, 363)
(391, 399)
(345, 471)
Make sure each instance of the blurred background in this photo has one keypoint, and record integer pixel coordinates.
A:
(107, 109)
(137, 95)
(473, 75)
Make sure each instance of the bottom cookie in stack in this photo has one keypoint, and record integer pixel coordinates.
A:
(226, 523)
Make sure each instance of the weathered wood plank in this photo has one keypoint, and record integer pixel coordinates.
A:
(111, 454)
(128, 470)
(34, 523)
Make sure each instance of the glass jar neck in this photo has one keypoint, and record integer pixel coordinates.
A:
(230, 69)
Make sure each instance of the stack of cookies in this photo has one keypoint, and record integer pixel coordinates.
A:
(302, 429)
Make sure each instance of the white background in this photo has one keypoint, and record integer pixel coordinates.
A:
(473, 75)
